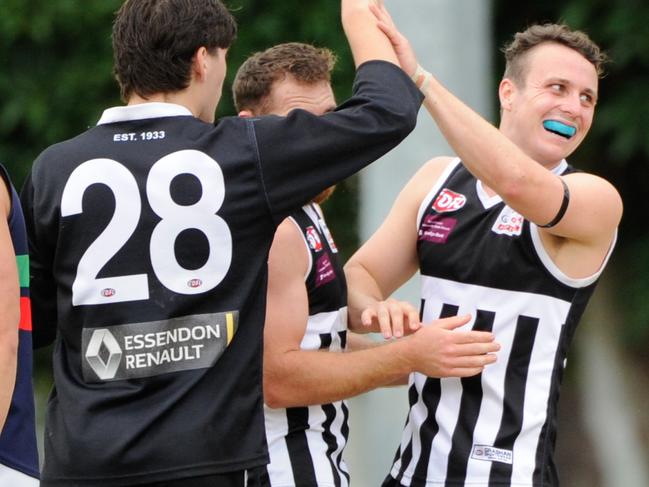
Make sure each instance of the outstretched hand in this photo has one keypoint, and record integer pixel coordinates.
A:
(400, 44)
(393, 318)
(439, 350)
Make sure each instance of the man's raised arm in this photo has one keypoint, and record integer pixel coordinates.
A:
(366, 41)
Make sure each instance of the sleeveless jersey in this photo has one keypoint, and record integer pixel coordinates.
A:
(479, 256)
(18, 438)
(149, 240)
(306, 443)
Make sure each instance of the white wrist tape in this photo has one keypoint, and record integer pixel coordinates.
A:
(421, 78)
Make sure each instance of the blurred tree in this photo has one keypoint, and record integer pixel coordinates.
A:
(57, 74)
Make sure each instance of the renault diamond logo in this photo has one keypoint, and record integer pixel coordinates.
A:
(103, 354)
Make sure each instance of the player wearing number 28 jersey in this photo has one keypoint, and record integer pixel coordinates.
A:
(149, 236)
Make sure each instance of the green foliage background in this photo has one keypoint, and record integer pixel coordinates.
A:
(55, 80)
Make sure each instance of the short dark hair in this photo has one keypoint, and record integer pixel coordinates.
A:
(515, 51)
(154, 42)
(255, 77)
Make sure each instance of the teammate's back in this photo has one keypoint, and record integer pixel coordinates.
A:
(149, 236)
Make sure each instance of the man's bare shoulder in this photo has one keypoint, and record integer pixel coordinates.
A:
(427, 176)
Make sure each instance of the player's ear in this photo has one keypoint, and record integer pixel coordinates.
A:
(505, 93)
(246, 114)
(200, 63)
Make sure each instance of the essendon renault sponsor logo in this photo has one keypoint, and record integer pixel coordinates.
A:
(157, 347)
(448, 201)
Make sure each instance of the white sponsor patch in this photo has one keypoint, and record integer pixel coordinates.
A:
(137, 350)
(508, 223)
(448, 201)
(491, 454)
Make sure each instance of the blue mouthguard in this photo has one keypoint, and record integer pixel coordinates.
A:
(559, 128)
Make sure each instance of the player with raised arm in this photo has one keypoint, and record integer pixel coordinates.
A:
(306, 313)
(512, 234)
(149, 236)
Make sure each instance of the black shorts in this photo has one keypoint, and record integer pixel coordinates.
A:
(256, 477)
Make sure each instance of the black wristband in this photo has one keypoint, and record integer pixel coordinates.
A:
(562, 210)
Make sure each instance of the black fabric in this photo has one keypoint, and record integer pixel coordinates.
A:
(326, 284)
(256, 477)
(479, 256)
(177, 421)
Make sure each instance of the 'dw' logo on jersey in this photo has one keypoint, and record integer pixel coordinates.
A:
(448, 201)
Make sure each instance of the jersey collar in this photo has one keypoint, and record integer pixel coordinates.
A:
(142, 111)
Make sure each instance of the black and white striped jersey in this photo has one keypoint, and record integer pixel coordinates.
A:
(479, 256)
(306, 443)
(149, 236)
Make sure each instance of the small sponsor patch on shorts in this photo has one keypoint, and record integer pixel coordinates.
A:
(490, 454)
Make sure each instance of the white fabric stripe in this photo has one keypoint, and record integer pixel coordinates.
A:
(142, 111)
(418, 414)
(318, 447)
(560, 168)
(406, 436)
(446, 415)
(558, 273)
(537, 392)
(313, 215)
(279, 469)
(336, 430)
(507, 305)
(438, 185)
(327, 322)
(486, 200)
(493, 387)
(306, 245)
(13, 478)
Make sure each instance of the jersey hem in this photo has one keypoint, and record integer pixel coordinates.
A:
(319, 484)
(159, 476)
(29, 471)
(406, 480)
